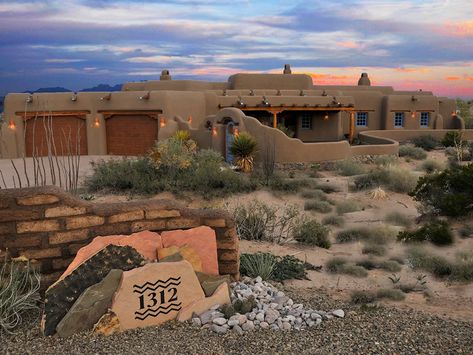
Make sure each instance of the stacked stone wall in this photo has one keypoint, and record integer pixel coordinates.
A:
(49, 226)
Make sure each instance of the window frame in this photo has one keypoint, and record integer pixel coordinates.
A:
(304, 117)
(365, 119)
(402, 117)
(424, 113)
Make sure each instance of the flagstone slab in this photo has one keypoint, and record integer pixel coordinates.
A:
(155, 293)
(90, 306)
(186, 252)
(61, 295)
(221, 296)
(202, 239)
(144, 242)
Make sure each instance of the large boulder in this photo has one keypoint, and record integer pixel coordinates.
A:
(144, 242)
(90, 306)
(60, 296)
(155, 293)
(202, 239)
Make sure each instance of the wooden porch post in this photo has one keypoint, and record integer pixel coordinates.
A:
(275, 119)
(352, 127)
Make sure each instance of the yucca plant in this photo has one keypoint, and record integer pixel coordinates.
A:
(259, 264)
(243, 149)
(19, 285)
(182, 135)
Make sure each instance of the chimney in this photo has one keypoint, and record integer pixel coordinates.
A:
(287, 69)
(364, 80)
(165, 75)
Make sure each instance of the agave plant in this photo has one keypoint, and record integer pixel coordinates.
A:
(243, 149)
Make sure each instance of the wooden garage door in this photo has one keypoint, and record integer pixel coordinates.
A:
(130, 134)
(67, 135)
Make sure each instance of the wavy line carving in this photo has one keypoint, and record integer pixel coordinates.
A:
(153, 286)
(150, 310)
(152, 314)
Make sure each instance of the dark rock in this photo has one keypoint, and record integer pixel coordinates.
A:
(90, 306)
(60, 296)
(172, 258)
(210, 283)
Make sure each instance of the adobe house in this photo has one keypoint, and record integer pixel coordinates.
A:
(328, 122)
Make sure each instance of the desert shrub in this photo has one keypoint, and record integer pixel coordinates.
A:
(398, 219)
(318, 206)
(135, 175)
(271, 267)
(259, 264)
(353, 235)
(390, 265)
(349, 167)
(426, 142)
(449, 193)
(385, 160)
(173, 155)
(451, 139)
(374, 249)
(367, 263)
(328, 188)
(286, 130)
(244, 148)
(412, 152)
(430, 166)
(397, 258)
(347, 206)
(259, 221)
(437, 232)
(378, 235)
(277, 183)
(334, 220)
(393, 178)
(390, 293)
(341, 266)
(19, 286)
(466, 231)
(312, 232)
(316, 194)
(289, 267)
(460, 269)
(362, 297)
(371, 264)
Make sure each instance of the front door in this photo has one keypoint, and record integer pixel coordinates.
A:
(229, 138)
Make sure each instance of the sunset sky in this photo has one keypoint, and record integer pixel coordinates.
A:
(411, 44)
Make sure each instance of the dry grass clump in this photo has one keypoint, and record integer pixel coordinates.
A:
(379, 235)
(347, 206)
(341, 266)
(374, 249)
(412, 152)
(334, 220)
(362, 297)
(378, 194)
(391, 294)
(371, 264)
(391, 177)
(430, 166)
(328, 188)
(349, 167)
(318, 206)
(385, 160)
(398, 219)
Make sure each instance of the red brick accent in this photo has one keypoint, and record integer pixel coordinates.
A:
(52, 229)
(121, 140)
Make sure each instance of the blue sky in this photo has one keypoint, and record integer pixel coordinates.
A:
(80, 43)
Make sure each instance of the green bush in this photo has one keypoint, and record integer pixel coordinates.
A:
(371, 264)
(449, 193)
(412, 152)
(426, 142)
(353, 235)
(391, 177)
(398, 219)
(385, 160)
(289, 267)
(430, 166)
(316, 194)
(312, 233)
(334, 220)
(374, 249)
(286, 130)
(391, 293)
(347, 206)
(390, 265)
(466, 231)
(259, 221)
(378, 235)
(452, 138)
(259, 264)
(19, 293)
(328, 188)
(341, 266)
(349, 167)
(437, 232)
(318, 206)
(277, 183)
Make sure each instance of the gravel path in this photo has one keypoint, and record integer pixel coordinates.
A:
(379, 330)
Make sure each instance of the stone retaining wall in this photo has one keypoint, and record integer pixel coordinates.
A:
(49, 225)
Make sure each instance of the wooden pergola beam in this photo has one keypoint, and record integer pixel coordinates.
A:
(29, 115)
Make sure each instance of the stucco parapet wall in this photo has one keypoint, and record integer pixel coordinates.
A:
(402, 135)
(270, 81)
(287, 101)
(49, 225)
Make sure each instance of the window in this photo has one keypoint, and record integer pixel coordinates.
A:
(306, 121)
(399, 119)
(362, 119)
(424, 119)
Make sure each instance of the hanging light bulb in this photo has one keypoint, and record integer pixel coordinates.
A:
(97, 122)
(11, 124)
(162, 122)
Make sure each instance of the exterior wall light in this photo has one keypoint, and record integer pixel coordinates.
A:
(214, 131)
(454, 114)
(145, 96)
(224, 92)
(74, 96)
(236, 132)
(11, 125)
(252, 93)
(302, 93)
(29, 99)
(240, 102)
(413, 114)
(189, 119)
(326, 116)
(162, 122)
(97, 122)
(265, 102)
(106, 97)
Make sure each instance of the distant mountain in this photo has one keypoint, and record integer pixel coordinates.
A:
(53, 89)
(104, 87)
(1, 103)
